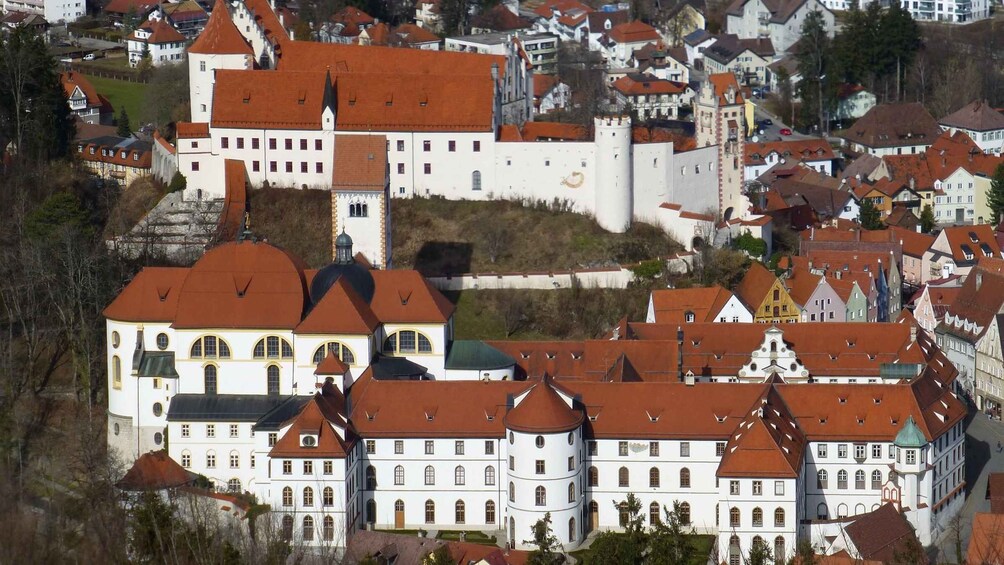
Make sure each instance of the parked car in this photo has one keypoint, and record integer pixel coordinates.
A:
(766, 122)
(785, 131)
(89, 57)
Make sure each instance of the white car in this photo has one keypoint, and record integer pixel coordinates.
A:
(89, 57)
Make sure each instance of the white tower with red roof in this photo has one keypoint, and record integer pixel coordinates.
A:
(219, 46)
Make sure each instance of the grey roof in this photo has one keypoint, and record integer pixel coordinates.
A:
(892, 125)
(975, 116)
(476, 355)
(157, 364)
(697, 36)
(282, 413)
(222, 407)
(396, 369)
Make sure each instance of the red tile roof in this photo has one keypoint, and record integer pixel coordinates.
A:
(959, 236)
(755, 285)
(340, 311)
(353, 19)
(543, 131)
(160, 32)
(986, 543)
(155, 471)
(543, 410)
(72, 80)
(321, 416)
(331, 365)
(633, 32)
(801, 150)
(672, 305)
(261, 11)
(767, 443)
(268, 99)
(405, 296)
(642, 84)
(360, 163)
(192, 130)
(151, 296)
(123, 7)
(722, 82)
(221, 35)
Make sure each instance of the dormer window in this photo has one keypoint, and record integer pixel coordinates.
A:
(308, 440)
(688, 317)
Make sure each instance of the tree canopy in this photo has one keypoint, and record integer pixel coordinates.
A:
(995, 196)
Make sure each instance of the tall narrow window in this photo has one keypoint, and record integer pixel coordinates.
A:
(209, 376)
(476, 180)
(273, 380)
(460, 511)
(490, 512)
(540, 496)
(308, 528)
(684, 478)
(430, 512)
(653, 477)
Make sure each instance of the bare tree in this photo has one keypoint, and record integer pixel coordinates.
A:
(496, 240)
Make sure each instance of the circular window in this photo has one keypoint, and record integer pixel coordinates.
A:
(162, 341)
(309, 441)
(116, 339)
(158, 409)
(158, 438)
(753, 367)
(539, 441)
(571, 438)
(512, 438)
(115, 428)
(794, 367)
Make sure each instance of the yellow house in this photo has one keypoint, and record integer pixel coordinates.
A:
(766, 297)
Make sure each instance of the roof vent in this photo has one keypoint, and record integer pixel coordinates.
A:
(577, 355)
(822, 420)
(551, 354)
(524, 354)
(842, 399)
(404, 296)
(301, 97)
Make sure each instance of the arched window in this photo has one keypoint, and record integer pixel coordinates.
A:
(594, 477)
(407, 341)
(459, 475)
(430, 512)
(371, 482)
(209, 378)
(624, 515)
(757, 517)
(734, 519)
(540, 496)
(287, 527)
(653, 513)
(399, 475)
(329, 528)
(684, 514)
(234, 486)
(490, 512)
(571, 492)
(186, 459)
(822, 512)
(859, 479)
(430, 475)
(209, 347)
(308, 528)
(489, 476)
(371, 511)
(684, 478)
(116, 372)
(287, 496)
(460, 511)
(338, 349)
(876, 479)
(273, 347)
(758, 542)
(272, 373)
(476, 180)
(779, 551)
(328, 496)
(623, 477)
(859, 509)
(572, 533)
(821, 479)
(358, 210)
(653, 477)
(512, 492)
(841, 510)
(842, 479)
(779, 518)
(308, 496)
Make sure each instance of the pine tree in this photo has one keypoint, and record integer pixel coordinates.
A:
(814, 61)
(124, 128)
(870, 217)
(995, 196)
(926, 219)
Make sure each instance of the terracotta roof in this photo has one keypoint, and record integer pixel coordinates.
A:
(344, 59)
(360, 163)
(415, 35)
(892, 125)
(812, 149)
(780, 10)
(977, 303)
(353, 19)
(986, 542)
(268, 99)
(672, 305)
(192, 130)
(915, 244)
(647, 134)
(767, 443)
(160, 32)
(405, 296)
(243, 285)
(542, 84)
(155, 471)
(331, 365)
(721, 82)
(261, 11)
(640, 84)
(318, 417)
(755, 285)
(801, 284)
(543, 131)
(235, 200)
(151, 296)
(880, 534)
(72, 80)
(221, 35)
(978, 115)
(544, 410)
(633, 32)
(961, 242)
(340, 311)
(127, 152)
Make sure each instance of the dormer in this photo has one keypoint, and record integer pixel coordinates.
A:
(308, 439)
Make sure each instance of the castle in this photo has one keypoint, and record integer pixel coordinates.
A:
(455, 124)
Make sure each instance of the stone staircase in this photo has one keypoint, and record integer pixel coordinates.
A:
(175, 230)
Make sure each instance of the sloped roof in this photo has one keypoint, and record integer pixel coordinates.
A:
(639, 84)
(633, 32)
(812, 149)
(986, 543)
(780, 10)
(755, 285)
(319, 416)
(151, 296)
(269, 99)
(801, 284)
(961, 240)
(767, 443)
(722, 82)
(415, 35)
(405, 296)
(360, 163)
(72, 80)
(878, 535)
(331, 365)
(468, 354)
(978, 115)
(543, 410)
(340, 311)
(672, 305)
(979, 299)
(139, 7)
(910, 435)
(892, 125)
(160, 32)
(543, 131)
(187, 407)
(353, 19)
(155, 470)
(598, 20)
(221, 35)
(500, 18)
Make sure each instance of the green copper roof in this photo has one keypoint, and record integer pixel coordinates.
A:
(910, 435)
(157, 364)
(476, 355)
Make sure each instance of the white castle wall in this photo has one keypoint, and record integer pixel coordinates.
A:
(547, 171)
(613, 277)
(613, 204)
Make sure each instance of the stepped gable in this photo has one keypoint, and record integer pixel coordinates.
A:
(341, 310)
(406, 296)
(155, 471)
(243, 284)
(221, 36)
(767, 443)
(269, 99)
(543, 410)
(151, 296)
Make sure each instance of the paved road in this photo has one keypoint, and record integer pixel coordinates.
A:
(773, 132)
(982, 458)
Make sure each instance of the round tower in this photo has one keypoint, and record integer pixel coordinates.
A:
(219, 46)
(544, 435)
(911, 464)
(614, 198)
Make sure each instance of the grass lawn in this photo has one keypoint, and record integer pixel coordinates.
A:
(472, 537)
(702, 547)
(122, 93)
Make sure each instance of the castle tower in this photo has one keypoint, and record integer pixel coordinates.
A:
(613, 173)
(912, 453)
(219, 46)
(719, 117)
(544, 431)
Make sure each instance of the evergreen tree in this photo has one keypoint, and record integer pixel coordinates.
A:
(995, 196)
(814, 62)
(668, 544)
(759, 554)
(124, 128)
(870, 216)
(927, 219)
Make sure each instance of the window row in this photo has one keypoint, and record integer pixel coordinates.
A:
(459, 476)
(273, 143)
(624, 477)
(735, 517)
(307, 531)
(307, 496)
(459, 512)
(823, 479)
(234, 461)
(308, 465)
(451, 145)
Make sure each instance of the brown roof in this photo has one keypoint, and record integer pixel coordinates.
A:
(268, 99)
(767, 443)
(138, 7)
(978, 115)
(160, 32)
(961, 241)
(500, 18)
(155, 471)
(633, 32)
(755, 285)
(221, 35)
(543, 131)
(640, 84)
(360, 162)
(331, 365)
(340, 311)
(542, 84)
(543, 410)
(151, 296)
(405, 296)
(986, 543)
(915, 244)
(800, 149)
(353, 19)
(878, 535)
(980, 298)
(598, 20)
(192, 130)
(672, 305)
(891, 125)
(722, 82)
(319, 416)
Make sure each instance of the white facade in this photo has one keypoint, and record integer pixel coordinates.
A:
(754, 20)
(952, 11)
(54, 11)
(956, 194)
(161, 53)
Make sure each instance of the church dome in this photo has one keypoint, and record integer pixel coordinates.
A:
(344, 266)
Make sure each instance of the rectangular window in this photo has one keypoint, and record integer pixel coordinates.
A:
(303, 145)
(329, 468)
(287, 467)
(273, 166)
(842, 451)
(289, 166)
(429, 447)
(489, 447)
(210, 430)
(271, 143)
(684, 449)
(539, 466)
(254, 143)
(211, 460)
(720, 448)
(272, 438)
(186, 431)
(426, 146)
(593, 449)
(308, 467)
(779, 488)
(400, 168)
(400, 145)
(398, 447)
(734, 488)
(622, 448)
(195, 165)
(289, 144)
(860, 450)
(571, 463)
(303, 166)
(428, 168)
(370, 446)
(318, 145)
(256, 166)
(225, 142)
(477, 146)
(757, 488)
(653, 448)
(234, 430)
(240, 143)
(911, 456)
(252, 461)
(458, 447)
(186, 460)
(318, 167)
(452, 145)
(512, 462)
(821, 451)
(235, 461)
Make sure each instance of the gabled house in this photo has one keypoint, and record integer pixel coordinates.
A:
(817, 299)
(932, 301)
(815, 153)
(884, 193)
(762, 292)
(619, 44)
(566, 18)
(695, 43)
(549, 94)
(780, 20)
(699, 304)
(981, 122)
(892, 129)
(84, 100)
(885, 300)
(682, 20)
(957, 249)
(853, 101)
(188, 17)
(914, 245)
(748, 59)
(651, 97)
(499, 19)
(117, 159)
(410, 36)
(157, 39)
(345, 26)
(989, 367)
(120, 10)
(668, 63)
(599, 23)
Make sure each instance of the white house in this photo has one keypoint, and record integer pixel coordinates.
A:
(981, 122)
(54, 11)
(953, 11)
(780, 20)
(748, 59)
(651, 97)
(853, 101)
(158, 39)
